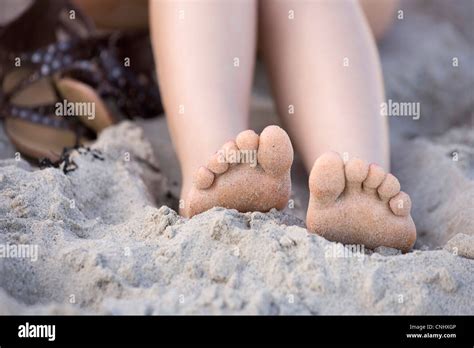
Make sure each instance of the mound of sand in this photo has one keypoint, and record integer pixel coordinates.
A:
(104, 239)
(105, 247)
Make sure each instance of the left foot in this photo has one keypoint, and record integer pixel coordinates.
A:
(355, 203)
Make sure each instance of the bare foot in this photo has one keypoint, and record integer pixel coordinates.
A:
(251, 173)
(358, 204)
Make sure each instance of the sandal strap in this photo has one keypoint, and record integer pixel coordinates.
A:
(135, 95)
(92, 60)
(43, 115)
(58, 57)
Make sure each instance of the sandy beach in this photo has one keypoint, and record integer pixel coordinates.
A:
(106, 239)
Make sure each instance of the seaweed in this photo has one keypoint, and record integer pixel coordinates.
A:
(66, 163)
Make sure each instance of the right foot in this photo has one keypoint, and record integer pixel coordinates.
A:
(355, 203)
(259, 181)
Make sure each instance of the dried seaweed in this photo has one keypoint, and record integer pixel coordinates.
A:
(66, 162)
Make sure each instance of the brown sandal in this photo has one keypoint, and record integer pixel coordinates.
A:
(78, 71)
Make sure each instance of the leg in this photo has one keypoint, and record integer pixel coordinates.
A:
(205, 54)
(323, 64)
(206, 97)
(336, 107)
(379, 14)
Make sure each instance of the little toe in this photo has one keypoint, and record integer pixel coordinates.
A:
(203, 178)
(217, 163)
(247, 140)
(356, 171)
(389, 187)
(400, 204)
(275, 152)
(374, 178)
(327, 181)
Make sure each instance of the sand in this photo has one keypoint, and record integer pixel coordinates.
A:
(109, 240)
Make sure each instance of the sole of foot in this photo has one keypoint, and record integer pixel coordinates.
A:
(357, 203)
(250, 173)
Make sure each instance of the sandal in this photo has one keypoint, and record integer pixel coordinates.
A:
(76, 71)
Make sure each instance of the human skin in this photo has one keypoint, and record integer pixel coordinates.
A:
(326, 78)
(205, 53)
(342, 115)
(195, 57)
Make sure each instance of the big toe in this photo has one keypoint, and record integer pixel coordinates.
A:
(326, 181)
(275, 152)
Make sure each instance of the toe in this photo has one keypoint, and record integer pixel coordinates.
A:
(231, 152)
(400, 204)
(356, 171)
(247, 140)
(326, 181)
(275, 152)
(374, 178)
(217, 164)
(203, 178)
(389, 187)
